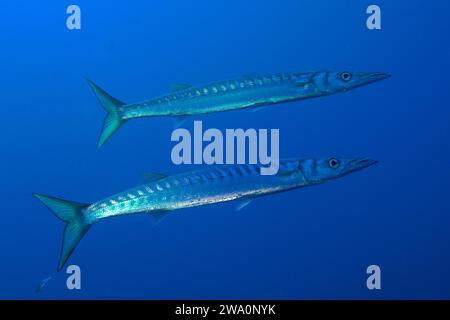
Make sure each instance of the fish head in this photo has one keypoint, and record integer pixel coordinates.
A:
(324, 169)
(341, 81)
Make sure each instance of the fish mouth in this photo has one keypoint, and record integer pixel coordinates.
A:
(375, 76)
(365, 78)
(379, 76)
(359, 164)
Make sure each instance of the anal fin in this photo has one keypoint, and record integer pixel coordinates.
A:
(243, 204)
(179, 120)
(256, 109)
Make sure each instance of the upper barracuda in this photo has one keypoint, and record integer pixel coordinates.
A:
(211, 185)
(244, 92)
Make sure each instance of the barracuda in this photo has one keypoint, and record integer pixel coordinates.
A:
(214, 184)
(244, 92)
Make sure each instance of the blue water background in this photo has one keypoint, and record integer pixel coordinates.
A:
(309, 243)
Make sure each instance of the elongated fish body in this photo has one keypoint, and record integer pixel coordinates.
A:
(211, 185)
(196, 188)
(240, 93)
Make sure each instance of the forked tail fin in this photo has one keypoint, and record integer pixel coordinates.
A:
(113, 121)
(76, 226)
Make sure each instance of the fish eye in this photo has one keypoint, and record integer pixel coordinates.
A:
(333, 163)
(346, 76)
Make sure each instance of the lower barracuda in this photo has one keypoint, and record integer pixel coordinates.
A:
(163, 194)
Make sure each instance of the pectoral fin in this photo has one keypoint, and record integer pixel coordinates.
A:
(158, 216)
(153, 176)
(285, 172)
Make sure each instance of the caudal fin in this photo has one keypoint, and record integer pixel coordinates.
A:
(113, 121)
(76, 227)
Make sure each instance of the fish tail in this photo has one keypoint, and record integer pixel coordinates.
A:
(113, 120)
(76, 226)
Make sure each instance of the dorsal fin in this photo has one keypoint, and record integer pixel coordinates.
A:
(153, 176)
(180, 86)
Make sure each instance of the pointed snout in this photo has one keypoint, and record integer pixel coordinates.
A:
(359, 164)
(365, 162)
(371, 77)
(377, 76)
